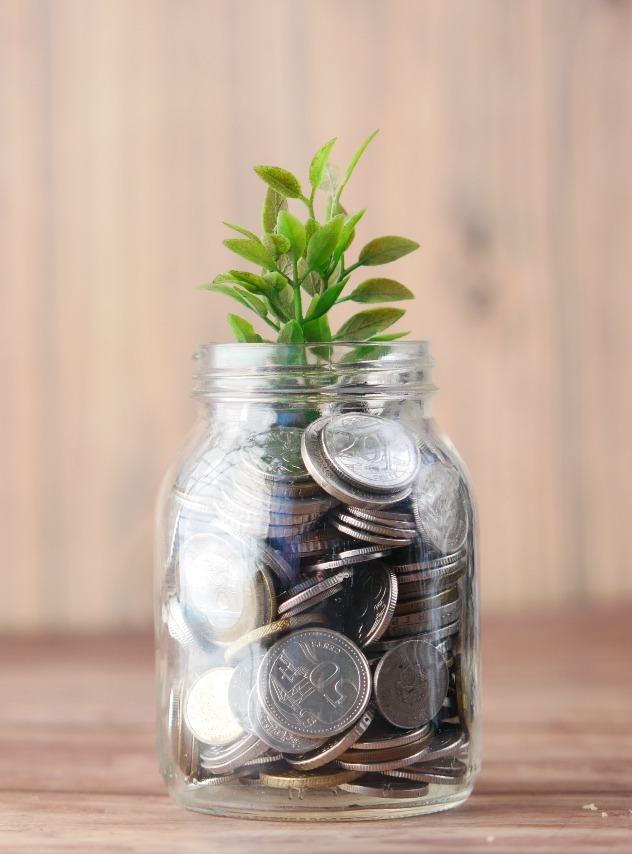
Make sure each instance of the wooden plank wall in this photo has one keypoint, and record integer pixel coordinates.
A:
(127, 134)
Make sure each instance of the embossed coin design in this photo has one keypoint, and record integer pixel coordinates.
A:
(315, 682)
(219, 585)
(276, 454)
(371, 452)
(411, 683)
(207, 711)
(440, 507)
(371, 600)
(330, 480)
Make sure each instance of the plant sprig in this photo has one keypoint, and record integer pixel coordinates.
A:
(303, 268)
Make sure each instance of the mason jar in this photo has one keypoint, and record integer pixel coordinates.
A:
(316, 590)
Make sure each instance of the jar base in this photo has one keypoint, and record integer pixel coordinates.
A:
(292, 809)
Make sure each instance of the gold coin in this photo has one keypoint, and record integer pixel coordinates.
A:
(267, 632)
(207, 712)
(301, 780)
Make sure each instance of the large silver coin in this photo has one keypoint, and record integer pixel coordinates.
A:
(371, 600)
(440, 507)
(219, 585)
(275, 735)
(314, 682)
(373, 453)
(275, 454)
(411, 683)
(330, 480)
(207, 712)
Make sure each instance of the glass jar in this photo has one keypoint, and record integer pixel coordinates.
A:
(316, 592)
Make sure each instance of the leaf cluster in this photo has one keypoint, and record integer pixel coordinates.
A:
(303, 264)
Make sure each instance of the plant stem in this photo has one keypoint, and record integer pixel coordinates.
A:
(298, 308)
(271, 323)
(351, 268)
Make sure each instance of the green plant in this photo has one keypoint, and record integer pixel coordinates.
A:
(307, 259)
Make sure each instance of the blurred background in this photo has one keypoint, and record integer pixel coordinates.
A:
(128, 132)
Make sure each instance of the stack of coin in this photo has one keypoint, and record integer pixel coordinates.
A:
(315, 592)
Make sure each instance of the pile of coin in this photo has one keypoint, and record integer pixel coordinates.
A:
(315, 596)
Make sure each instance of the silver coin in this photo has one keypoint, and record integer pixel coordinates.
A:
(310, 603)
(424, 621)
(275, 735)
(450, 772)
(384, 760)
(376, 785)
(326, 476)
(431, 566)
(275, 454)
(410, 684)
(446, 744)
(427, 601)
(371, 452)
(218, 780)
(223, 760)
(371, 601)
(423, 583)
(313, 590)
(367, 536)
(405, 534)
(440, 507)
(314, 682)
(333, 747)
(240, 687)
(317, 542)
(178, 627)
(219, 585)
(381, 736)
(384, 517)
(349, 557)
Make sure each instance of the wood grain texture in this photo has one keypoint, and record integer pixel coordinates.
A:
(78, 768)
(127, 134)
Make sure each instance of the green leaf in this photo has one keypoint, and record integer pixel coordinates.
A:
(246, 299)
(382, 250)
(323, 243)
(348, 233)
(251, 235)
(272, 204)
(252, 251)
(317, 330)
(319, 164)
(276, 280)
(294, 231)
(286, 300)
(323, 302)
(291, 333)
(312, 284)
(277, 244)
(331, 179)
(280, 180)
(380, 290)
(366, 323)
(390, 336)
(355, 158)
(253, 283)
(242, 330)
(250, 281)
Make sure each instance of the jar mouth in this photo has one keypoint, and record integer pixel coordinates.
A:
(342, 367)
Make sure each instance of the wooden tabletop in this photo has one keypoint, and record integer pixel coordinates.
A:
(78, 771)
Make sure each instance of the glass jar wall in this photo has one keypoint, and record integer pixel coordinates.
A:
(316, 594)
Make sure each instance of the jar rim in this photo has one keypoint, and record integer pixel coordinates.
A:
(344, 366)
